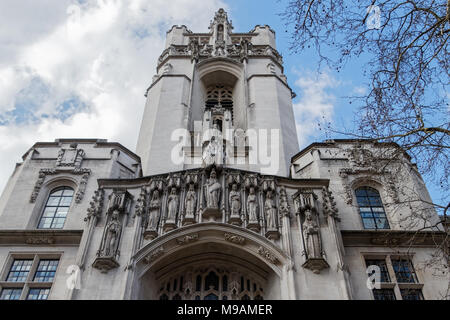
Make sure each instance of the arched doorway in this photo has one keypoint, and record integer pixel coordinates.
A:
(212, 282)
(208, 268)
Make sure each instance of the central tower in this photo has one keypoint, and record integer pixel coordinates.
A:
(218, 98)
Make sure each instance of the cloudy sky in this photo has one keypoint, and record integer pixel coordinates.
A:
(79, 68)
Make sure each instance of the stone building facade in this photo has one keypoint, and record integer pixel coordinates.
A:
(218, 203)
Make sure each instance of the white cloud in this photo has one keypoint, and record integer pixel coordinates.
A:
(315, 108)
(101, 53)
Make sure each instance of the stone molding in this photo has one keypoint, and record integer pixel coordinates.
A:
(40, 237)
(391, 238)
(43, 173)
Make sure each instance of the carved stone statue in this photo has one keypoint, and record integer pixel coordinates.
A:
(312, 237)
(212, 153)
(190, 201)
(235, 200)
(111, 237)
(271, 211)
(220, 37)
(213, 189)
(252, 206)
(284, 205)
(194, 49)
(243, 52)
(172, 205)
(155, 206)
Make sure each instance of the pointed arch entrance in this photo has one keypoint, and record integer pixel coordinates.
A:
(211, 261)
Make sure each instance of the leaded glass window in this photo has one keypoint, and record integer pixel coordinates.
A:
(11, 294)
(371, 208)
(384, 294)
(214, 284)
(46, 271)
(404, 271)
(38, 294)
(381, 263)
(411, 294)
(19, 270)
(56, 208)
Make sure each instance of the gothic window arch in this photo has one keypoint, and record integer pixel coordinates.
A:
(56, 208)
(211, 284)
(219, 95)
(371, 208)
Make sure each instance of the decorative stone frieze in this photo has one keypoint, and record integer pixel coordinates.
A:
(266, 254)
(95, 206)
(234, 238)
(155, 254)
(187, 239)
(43, 173)
(71, 157)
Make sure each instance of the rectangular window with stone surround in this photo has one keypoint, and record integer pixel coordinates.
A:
(384, 294)
(28, 276)
(398, 278)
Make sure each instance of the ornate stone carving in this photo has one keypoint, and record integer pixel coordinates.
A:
(172, 209)
(311, 233)
(194, 49)
(154, 210)
(213, 191)
(213, 151)
(108, 253)
(329, 205)
(234, 238)
(270, 211)
(267, 255)
(155, 254)
(190, 204)
(252, 210)
(111, 236)
(284, 203)
(39, 240)
(360, 157)
(187, 238)
(70, 157)
(95, 206)
(141, 203)
(82, 188)
(316, 265)
(234, 199)
(37, 186)
(310, 228)
(43, 173)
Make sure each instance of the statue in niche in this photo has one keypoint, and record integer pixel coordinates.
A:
(312, 237)
(271, 211)
(220, 33)
(190, 201)
(172, 204)
(243, 52)
(155, 205)
(194, 49)
(213, 188)
(235, 200)
(112, 234)
(284, 205)
(252, 206)
(212, 153)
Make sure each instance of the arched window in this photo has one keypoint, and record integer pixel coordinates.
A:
(211, 284)
(219, 94)
(371, 208)
(56, 208)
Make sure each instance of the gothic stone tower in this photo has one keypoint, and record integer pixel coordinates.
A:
(229, 82)
(80, 219)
